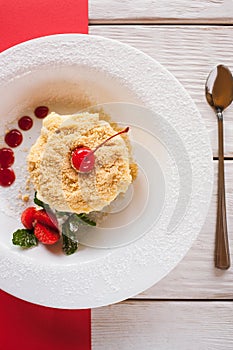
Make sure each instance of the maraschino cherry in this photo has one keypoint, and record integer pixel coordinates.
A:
(83, 159)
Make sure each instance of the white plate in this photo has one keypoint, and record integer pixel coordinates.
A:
(67, 72)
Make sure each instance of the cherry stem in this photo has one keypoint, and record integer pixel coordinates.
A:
(102, 143)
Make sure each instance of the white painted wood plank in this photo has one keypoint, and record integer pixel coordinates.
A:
(189, 52)
(157, 11)
(151, 325)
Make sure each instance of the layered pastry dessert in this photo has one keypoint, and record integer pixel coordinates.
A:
(80, 163)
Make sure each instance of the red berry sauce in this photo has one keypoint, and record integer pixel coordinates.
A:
(6, 158)
(7, 177)
(25, 123)
(41, 112)
(13, 138)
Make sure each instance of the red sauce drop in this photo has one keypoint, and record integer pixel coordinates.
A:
(25, 123)
(6, 158)
(7, 177)
(41, 112)
(13, 138)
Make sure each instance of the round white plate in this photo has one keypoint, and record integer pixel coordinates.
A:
(68, 73)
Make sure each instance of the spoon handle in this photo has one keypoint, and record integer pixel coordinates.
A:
(222, 254)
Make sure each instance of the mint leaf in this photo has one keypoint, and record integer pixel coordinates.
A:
(69, 229)
(40, 203)
(85, 219)
(69, 245)
(82, 218)
(24, 238)
(61, 214)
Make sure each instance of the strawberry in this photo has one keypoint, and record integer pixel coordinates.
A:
(46, 235)
(27, 217)
(46, 218)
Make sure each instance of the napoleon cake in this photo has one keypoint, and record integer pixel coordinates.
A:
(80, 163)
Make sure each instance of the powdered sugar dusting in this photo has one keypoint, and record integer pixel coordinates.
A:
(94, 277)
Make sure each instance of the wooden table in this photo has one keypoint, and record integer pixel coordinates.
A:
(192, 308)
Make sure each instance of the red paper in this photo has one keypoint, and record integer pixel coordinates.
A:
(28, 19)
(24, 325)
(27, 326)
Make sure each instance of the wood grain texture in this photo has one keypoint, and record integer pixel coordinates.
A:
(157, 11)
(189, 52)
(151, 325)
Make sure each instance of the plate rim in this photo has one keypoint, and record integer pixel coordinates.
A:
(117, 296)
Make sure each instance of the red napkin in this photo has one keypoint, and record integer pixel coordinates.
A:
(24, 325)
(27, 326)
(28, 19)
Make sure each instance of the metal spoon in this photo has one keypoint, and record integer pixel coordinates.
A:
(219, 95)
